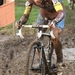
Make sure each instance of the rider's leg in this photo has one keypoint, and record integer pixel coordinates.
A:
(69, 3)
(37, 54)
(57, 44)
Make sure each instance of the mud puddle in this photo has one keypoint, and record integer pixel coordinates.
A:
(69, 54)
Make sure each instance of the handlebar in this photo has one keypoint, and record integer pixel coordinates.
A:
(39, 33)
(39, 26)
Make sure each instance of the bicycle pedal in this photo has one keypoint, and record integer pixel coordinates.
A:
(54, 66)
(35, 69)
(53, 71)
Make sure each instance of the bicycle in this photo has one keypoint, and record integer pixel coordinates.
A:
(45, 59)
(47, 66)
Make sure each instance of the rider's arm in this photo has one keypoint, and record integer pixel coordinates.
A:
(27, 11)
(59, 9)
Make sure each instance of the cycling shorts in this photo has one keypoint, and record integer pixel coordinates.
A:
(42, 21)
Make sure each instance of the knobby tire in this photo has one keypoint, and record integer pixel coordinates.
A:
(35, 42)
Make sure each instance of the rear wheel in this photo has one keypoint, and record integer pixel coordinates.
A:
(31, 60)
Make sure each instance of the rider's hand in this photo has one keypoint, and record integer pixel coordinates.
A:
(52, 24)
(18, 24)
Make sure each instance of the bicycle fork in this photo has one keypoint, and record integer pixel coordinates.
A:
(43, 61)
(50, 51)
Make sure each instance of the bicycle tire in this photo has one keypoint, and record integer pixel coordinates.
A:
(29, 50)
(51, 60)
(50, 56)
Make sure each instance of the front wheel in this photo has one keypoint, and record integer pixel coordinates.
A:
(31, 60)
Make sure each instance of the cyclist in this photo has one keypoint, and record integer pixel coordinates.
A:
(71, 3)
(49, 10)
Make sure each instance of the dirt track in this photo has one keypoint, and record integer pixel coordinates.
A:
(13, 52)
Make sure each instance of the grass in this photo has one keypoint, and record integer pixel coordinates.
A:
(19, 10)
(32, 18)
(65, 2)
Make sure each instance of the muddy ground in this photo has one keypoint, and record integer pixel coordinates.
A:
(13, 52)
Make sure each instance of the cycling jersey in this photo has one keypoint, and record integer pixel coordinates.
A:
(50, 9)
(48, 5)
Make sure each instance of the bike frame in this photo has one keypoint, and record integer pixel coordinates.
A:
(43, 59)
